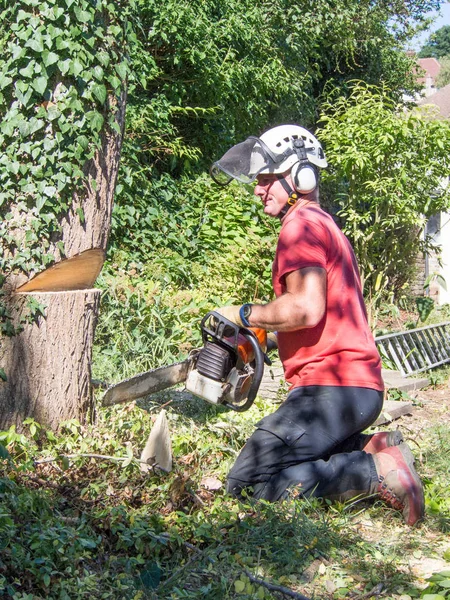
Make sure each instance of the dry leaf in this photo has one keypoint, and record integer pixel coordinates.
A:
(211, 483)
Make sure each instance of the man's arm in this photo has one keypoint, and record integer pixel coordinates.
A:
(302, 306)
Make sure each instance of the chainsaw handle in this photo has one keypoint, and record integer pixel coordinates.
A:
(258, 372)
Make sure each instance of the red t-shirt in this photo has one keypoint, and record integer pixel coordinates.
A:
(340, 350)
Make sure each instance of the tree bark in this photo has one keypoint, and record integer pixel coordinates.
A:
(48, 364)
(95, 202)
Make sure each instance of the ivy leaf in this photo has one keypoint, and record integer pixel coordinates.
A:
(36, 124)
(77, 67)
(17, 52)
(115, 82)
(99, 91)
(40, 84)
(98, 72)
(49, 58)
(83, 16)
(122, 70)
(80, 214)
(96, 120)
(4, 81)
(103, 58)
(21, 16)
(3, 375)
(35, 44)
(40, 201)
(4, 454)
(28, 71)
(64, 65)
(50, 191)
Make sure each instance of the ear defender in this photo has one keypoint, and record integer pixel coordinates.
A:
(304, 177)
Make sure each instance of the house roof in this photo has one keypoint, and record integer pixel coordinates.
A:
(441, 99)
(431, 67)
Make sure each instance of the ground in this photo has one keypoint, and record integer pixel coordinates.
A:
(420, 551)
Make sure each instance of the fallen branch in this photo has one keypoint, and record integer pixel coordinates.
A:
(273, 587)
(99, 456)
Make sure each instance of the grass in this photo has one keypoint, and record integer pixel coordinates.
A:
(88, 527)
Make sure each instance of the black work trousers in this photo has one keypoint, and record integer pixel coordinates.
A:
(311, 443)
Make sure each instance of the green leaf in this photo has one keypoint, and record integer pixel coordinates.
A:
(115, 82)
(103, 58)
(49, 58)
(28, 71)
(4, 81)
(150, 577)
(80, 214)
(122, 70)
(35, 44)
(40, 84)
(4, 454)
(83, 16)
(40, 201)
(50, 191)
(98, 72)
(77, 67)
(36, 124)
(96, 120)
(3, 375)
(99, 91)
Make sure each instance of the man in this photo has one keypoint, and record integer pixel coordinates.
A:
(313, 445)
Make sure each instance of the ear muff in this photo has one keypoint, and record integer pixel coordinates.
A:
(304, 177)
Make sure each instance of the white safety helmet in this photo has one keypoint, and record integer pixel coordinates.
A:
(278, 150)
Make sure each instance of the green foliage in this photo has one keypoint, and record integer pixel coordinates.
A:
(385, 179)
(207, 74)
(438, 586)
(437, 45)
(425, 306)
(175, 254)
(129, 533)
(76, 523)
(443, 78)
(61, 63)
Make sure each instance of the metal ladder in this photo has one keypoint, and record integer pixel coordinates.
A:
(416, 350)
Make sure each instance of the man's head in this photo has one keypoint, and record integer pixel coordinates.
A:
(277, 195)
(283, 150)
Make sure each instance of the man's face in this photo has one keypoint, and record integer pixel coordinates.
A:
(272, 193)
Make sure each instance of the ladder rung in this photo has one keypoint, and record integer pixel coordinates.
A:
(417, 349)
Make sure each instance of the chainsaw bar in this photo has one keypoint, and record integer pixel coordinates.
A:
(148, 383)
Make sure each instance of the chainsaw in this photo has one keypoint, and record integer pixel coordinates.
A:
(227, 370)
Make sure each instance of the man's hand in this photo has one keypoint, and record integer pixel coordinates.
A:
(231, 313)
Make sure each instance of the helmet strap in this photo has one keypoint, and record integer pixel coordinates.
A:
(293, 196)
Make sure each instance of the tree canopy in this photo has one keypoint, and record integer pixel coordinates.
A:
(387, 172)
(437, 45)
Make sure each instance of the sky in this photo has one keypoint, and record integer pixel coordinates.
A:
(443, 18)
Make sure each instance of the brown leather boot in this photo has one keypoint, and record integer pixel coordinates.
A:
(398, 483)
(380, 441)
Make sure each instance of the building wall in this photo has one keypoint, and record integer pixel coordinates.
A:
(444, 294)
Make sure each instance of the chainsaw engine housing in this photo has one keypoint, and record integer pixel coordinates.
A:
(216, 379)
(220, 374)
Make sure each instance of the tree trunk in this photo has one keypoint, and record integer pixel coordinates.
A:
(48, 364)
